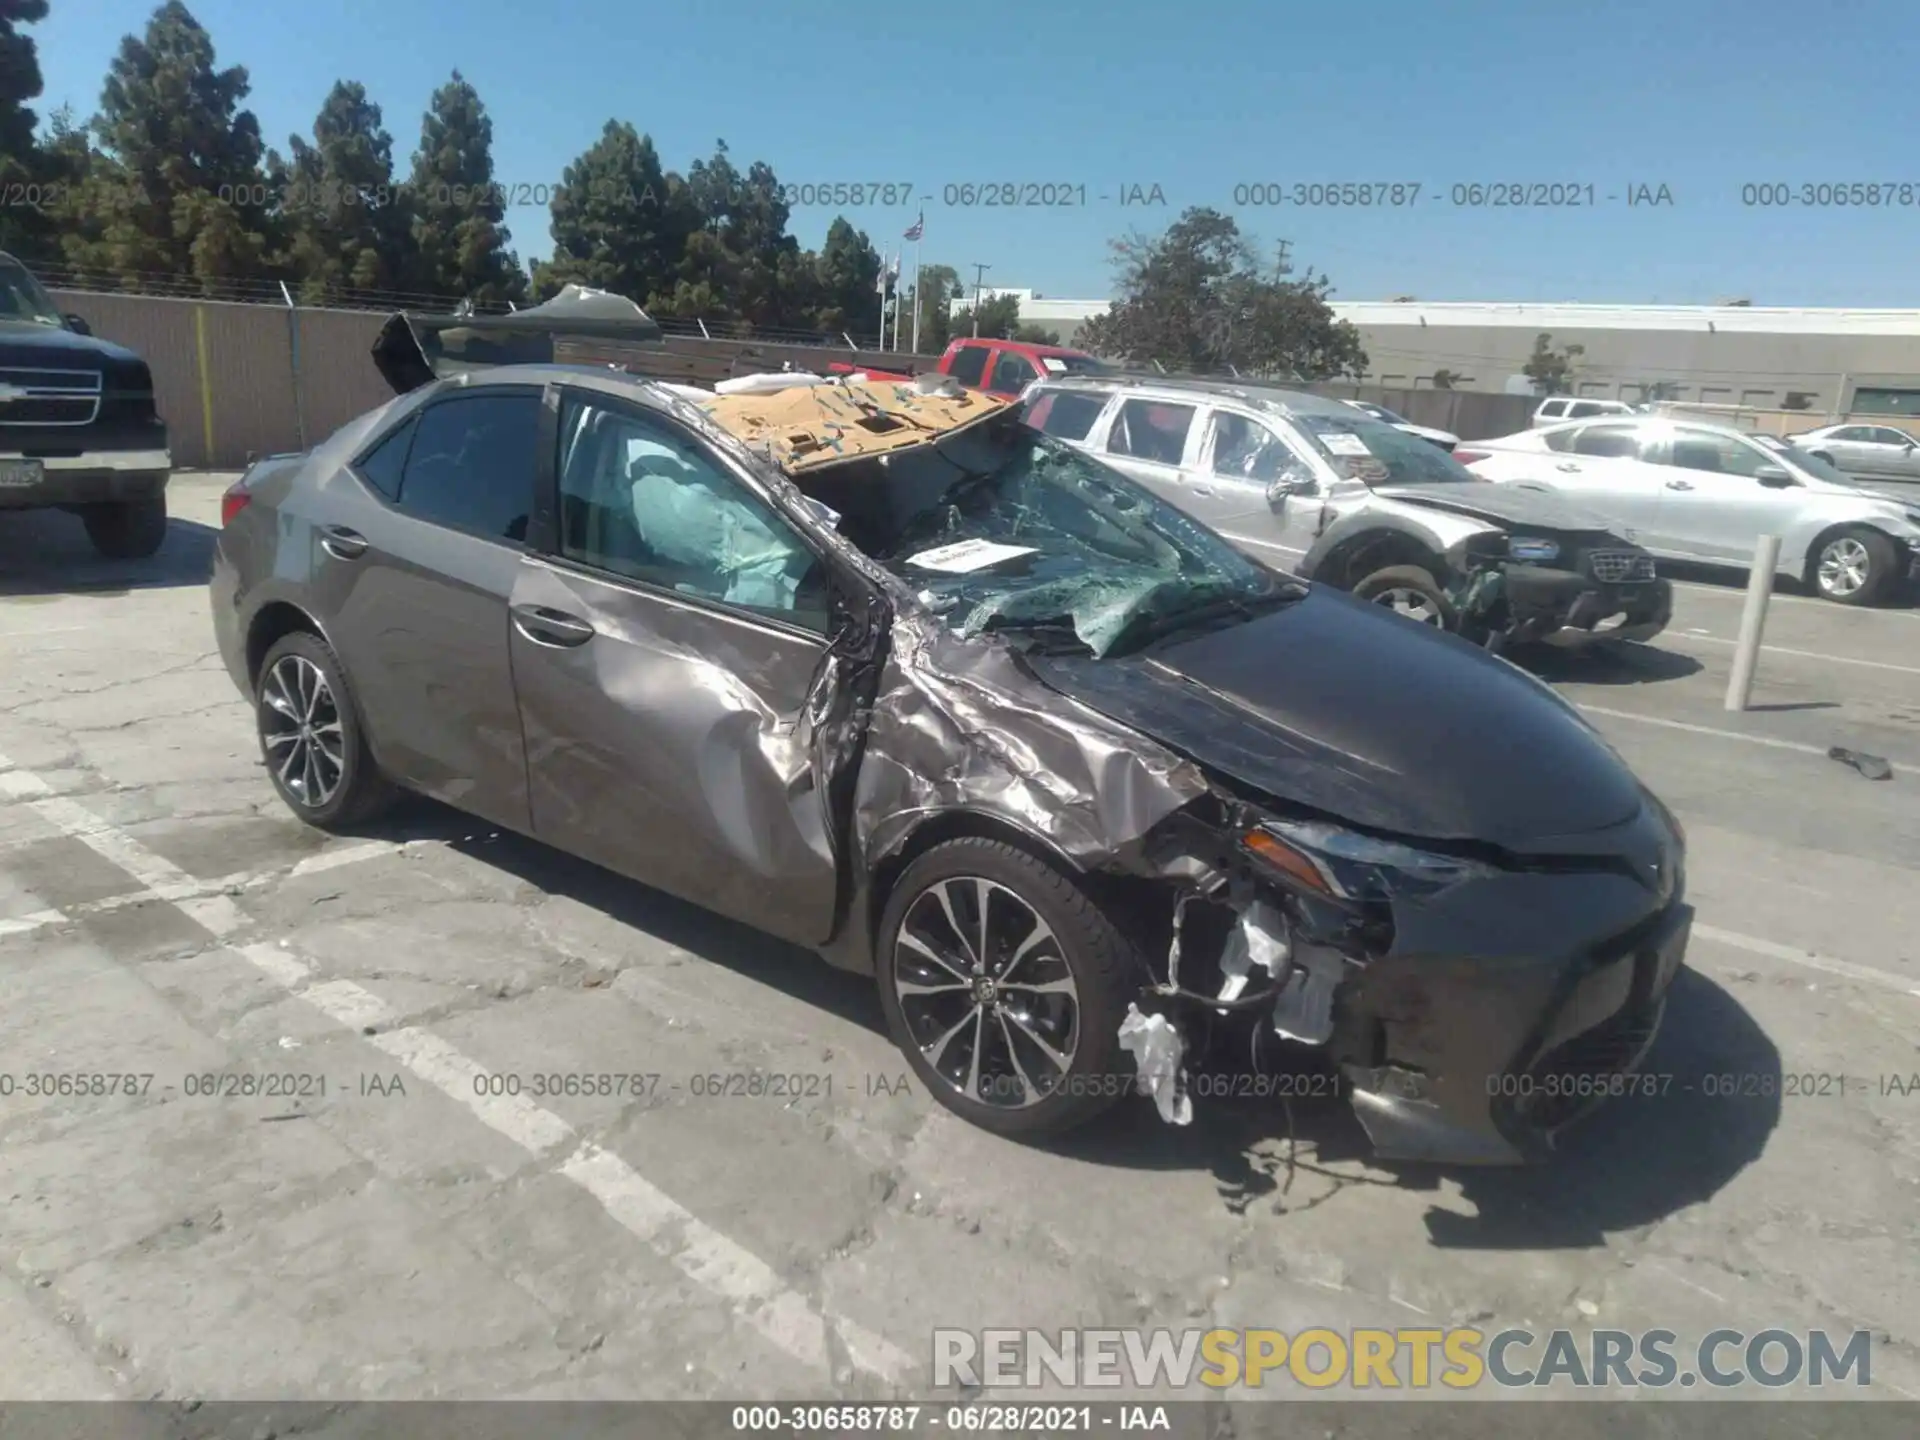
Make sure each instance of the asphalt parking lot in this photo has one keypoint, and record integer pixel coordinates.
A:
(407, 1234)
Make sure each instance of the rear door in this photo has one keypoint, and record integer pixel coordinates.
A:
(668, 649)
(1603, 468)
(1151, 441)
(416, 551)
(1887, 452)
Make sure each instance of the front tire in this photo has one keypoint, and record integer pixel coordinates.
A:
(1004, 984)
(1409, 591)
(1854, 566)
(127, 529)
(311, 737)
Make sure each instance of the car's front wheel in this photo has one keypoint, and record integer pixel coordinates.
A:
(1004, 983)
(1410, 591)
(1854, 567)
(311, 737)
(127, 529)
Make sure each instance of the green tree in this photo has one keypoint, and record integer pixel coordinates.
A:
(460, 243)
(346, 224)
(178, 187)
(1550, 370)
(24, 227)
(1198, 299)
(741, 265)
(1036, 335)
(999, 318)
(933, 296)
(849, 274)
(621, 222)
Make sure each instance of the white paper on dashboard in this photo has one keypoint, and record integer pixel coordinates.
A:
(1341, 442)
(967, 556)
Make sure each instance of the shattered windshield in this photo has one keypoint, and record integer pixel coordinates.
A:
(23, 298)
(1000, 528)
(1365, 449)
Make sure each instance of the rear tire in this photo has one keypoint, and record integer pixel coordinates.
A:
(987, 1036)
(1855, 566)
(311, 738)
(127, 529)
(1409, 591)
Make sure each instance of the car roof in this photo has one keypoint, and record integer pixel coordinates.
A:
(1640, 418)
(1260, 394)
(1027, 346)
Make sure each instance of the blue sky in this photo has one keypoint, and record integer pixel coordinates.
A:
(1702, 96)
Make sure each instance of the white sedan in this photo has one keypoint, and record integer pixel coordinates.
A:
(1444, 439)
(1694, 491)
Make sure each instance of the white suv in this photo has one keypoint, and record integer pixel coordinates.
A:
(1573, 407)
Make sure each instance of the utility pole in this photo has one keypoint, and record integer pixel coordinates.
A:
(1283, 267)
(979, 290)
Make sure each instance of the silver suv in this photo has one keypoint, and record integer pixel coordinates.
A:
(1323, 490)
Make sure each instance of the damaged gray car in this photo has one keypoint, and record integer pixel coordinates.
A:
(886, 672)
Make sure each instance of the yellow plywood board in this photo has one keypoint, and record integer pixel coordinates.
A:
(814, 425)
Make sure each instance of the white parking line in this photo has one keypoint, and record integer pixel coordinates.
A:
(1705, 730)
(1811, 960)
(1803, 654)
(726, 1269)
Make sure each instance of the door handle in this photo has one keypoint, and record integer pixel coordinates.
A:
(1203, 490)
(1569, 467)
(551, 627)
(342, 543)
(1679, 484)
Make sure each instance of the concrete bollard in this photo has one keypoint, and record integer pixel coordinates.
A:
(1753, 620)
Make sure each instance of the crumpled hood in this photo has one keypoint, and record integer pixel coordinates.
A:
(1344, 707)
(1507, 504)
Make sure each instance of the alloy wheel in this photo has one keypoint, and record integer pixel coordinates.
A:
(1845, 566)
(986, 991)
(300, 727)
(1404, 600)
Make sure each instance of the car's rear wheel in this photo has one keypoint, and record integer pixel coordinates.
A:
(1004, 984)
(311, 736)
(127, 529)
(1410, 591)
(1855, 566)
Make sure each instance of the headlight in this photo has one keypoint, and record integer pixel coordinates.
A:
(1349, 866)
(1532, 550)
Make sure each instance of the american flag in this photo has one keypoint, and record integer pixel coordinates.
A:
(917, 229)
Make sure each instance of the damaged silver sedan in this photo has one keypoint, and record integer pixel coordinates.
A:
(889, 674)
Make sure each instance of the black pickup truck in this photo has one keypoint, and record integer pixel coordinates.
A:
(78, 427)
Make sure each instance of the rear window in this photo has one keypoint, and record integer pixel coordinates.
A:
(1064, 414)
(968, 363)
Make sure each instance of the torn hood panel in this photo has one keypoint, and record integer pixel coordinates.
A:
(1343, 707)
(414, 350)
(813, 425)
(1504, 504)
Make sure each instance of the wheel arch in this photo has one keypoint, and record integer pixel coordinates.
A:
(1810, 557)
(957, 824)
(271, 623)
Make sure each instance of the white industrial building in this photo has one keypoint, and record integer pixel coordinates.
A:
(1831, 361)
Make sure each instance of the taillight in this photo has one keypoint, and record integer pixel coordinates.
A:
(1467, 457)
(233, 501)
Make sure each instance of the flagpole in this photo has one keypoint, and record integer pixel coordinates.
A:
(918, 299)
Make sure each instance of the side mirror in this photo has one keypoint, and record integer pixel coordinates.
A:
(78, 324)
(1775, 477)
(1288, 483)
(1910, 444)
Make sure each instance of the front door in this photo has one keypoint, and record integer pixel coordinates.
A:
(1241, 460)
(1150, 441)
(666, 655)
(1715, 507)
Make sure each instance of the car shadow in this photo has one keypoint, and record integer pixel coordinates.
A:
(1634, 1162)
(45, 554)
(1621, 664)
(1903, 594)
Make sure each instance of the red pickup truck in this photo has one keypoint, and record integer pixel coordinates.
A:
(1001, 367)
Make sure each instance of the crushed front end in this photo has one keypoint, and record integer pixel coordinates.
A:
(1556, 589)
(1474, 1004)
